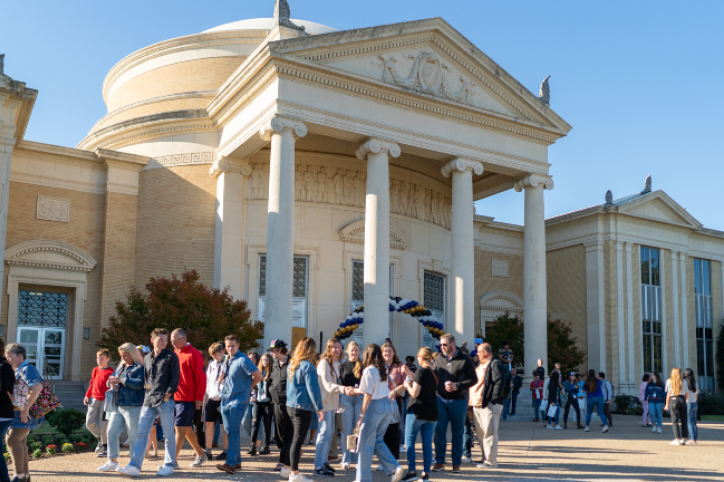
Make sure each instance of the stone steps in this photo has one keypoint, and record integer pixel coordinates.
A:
(70, 394)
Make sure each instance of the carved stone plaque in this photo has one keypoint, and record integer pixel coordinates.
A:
(53, 209)
(500, 268)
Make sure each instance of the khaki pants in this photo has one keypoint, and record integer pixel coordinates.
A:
(94, 420)
(18, 444)
(487, 421)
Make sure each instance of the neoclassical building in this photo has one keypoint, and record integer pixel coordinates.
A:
(312, 171)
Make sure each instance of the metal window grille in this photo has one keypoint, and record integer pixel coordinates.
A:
(300, 277)
(358, 281)
(39, 308)
(651, 310)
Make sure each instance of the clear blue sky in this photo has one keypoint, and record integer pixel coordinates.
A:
(642, 83)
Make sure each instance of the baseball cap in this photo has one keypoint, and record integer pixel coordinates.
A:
(573, 374)
(146, 350)
(276, 344)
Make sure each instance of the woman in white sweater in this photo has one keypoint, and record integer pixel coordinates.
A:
(328, 372)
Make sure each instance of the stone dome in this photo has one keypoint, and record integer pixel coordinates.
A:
(311, 28)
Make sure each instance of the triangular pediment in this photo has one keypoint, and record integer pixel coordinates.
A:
(658, 206)
(355, 233)
(428, 58)
(49, 254)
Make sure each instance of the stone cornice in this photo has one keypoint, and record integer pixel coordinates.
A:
(81, 261)
(227, 164)
(375, 145)
(279, 124)
(534, 180)
(463, 164)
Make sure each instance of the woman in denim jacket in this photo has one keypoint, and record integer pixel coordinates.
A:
(128, 380)
(303, 398)
(656, 398)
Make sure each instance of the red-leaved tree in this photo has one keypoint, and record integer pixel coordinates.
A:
(206, 314)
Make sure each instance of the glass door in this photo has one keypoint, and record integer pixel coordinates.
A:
(29, 338)
(45, 348)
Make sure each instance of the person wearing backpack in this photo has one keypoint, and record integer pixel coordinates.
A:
(487, 397)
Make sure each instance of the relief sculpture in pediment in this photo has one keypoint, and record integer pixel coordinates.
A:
(348, 188)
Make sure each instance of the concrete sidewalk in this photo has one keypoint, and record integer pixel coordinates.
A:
(528, 452)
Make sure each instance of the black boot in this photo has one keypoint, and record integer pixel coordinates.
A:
(252, 450)
(265, 450)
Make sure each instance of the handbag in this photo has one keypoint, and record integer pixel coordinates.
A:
(20, 394)
(46, 401)
(552, 410)
(110, 404)
(352, 441)
(543, 406)
(582, 404)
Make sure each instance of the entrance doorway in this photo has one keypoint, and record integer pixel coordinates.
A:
(42, 320)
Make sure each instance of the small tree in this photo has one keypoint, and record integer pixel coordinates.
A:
(562, 345)
(206, 314)
(720, 358)
(66, 420)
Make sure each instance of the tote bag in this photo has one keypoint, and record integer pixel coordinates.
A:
(552, 410)
(20, 395)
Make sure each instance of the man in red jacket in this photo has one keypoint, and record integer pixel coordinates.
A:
(189, 397)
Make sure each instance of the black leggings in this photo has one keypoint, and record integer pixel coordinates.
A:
(392, 435)
(301, 419)
(263, 412)
(572, 402)
(284, 432)
(677, 409)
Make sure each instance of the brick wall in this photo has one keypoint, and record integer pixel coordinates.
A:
(485, 281)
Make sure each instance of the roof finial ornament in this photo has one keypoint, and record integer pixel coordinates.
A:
(647, 185)
(545, 91)
(282, 14)
(609, 197)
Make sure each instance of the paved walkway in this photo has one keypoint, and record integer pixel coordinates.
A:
(528, 452)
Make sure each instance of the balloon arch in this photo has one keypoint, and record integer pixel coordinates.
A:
(411, 307)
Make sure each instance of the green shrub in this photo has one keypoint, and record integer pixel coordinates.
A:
(51, 449)
(33, 446)
(48, 440)
(76, 437)
(624, 403)
(711, 403)
(7, 457)
(67, 448)
(66, 420)
(37, 453)
(634, 411)
(60, 439)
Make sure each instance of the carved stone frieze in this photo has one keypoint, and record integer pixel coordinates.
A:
(500, 268)
(427, 75)
(53, 209)
(191, 158)
(324, 184)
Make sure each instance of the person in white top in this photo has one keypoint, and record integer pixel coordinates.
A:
(377, 413)
(212, 404)
(692, 396)
(676, 389)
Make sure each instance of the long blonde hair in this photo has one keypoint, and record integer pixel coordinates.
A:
(677, 385)
(306, 350)
(358, 364)
(328, 354)
(131, 349)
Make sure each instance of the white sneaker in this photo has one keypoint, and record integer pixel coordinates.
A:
(658, 430)
(466, 460)
(558, 427)
(487, 465)
(549, 427)
(285, 473)
(299, 478)
(345, 465)
(586, 429)
(605, 429)
(198, 461)
(129, 470)
(654, 429)
(108, 466)
(165, 470)
(675, 442)
(397, 474)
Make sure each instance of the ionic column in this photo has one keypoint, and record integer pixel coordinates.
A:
(377, 236)
(535, 303)
(463, 249)
(282, 132)
(228, 230)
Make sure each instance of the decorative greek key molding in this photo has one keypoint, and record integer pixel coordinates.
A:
(43, 253)
(500, 268)
(355, 233)
(534, 180)
(225, 164)
(53, 209)
(349, 188)
(279, 124)
(375, 145)
(188, 159)
(462, 164)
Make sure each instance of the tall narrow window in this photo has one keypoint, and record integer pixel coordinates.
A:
(358, 293)
(651, 310)
(704, 324)
(434, 290)
(300, 282)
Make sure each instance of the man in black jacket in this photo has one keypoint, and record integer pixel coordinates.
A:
(455, 376)
(278, 393)
(487, 400)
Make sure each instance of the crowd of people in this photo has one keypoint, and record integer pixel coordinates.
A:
(379, 404)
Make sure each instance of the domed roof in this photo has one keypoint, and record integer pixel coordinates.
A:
(311, 28)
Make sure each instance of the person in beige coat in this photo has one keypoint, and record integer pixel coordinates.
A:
(328, 372)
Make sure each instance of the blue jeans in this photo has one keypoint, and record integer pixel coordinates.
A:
(327, 430)
(124, 417)
(598, 403)
(4, 427)
(145, 422)
(657, 413)
(467, 437)
(349, 420)
(513, 403)
(372, 440)
(536, 408)
(232, 414)
(506, 407)
(452, 413)
(426, 428)
(691, 409)
(246, 417)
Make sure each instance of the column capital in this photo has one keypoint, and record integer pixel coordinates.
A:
(462, 164)
(375, 145)
(279, 124)
(534, 180)
(226, 164)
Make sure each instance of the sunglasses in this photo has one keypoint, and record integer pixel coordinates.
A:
(444, 344)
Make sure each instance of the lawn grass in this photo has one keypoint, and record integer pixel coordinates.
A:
(44, 429)
(713, 418)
